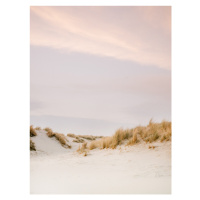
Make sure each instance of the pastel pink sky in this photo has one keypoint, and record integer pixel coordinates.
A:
(96, 69)
(139, 34)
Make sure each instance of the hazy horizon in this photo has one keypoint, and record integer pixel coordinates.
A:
(96, 69)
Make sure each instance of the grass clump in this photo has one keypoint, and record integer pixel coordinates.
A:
(86, 137)
(150, 133)
(78, 140)
(166, 136)
(89, 137)
(71, 135)
(93, 145)
(133, 140)
(50, 133)
(155, 131)
(105, 142)
(32, 131)
(108, 142)
(112, 142)
(83, 149)
(62, 139)
(38, 128)
(32, 146)
(59, 136)
(152, 147)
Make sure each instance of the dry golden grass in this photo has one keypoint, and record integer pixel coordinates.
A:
(166, 136)
(152, 147)
(50, 133)
(83, 149)
(117, 138)
(62, 139)
(107, 142)
(112, 142)
(85, 154)
(32, 146)
(71, 135)
(155, 131)
(38, 128)
(87, 137)
(101, 144)
(84, 145)
(150, 133)
(134, 139)
(93, 145)
(59, 136)
(32, 131)
(78, 140)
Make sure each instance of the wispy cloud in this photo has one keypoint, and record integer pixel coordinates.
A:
(139, 34)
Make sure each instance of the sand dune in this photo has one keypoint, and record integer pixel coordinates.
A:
(135, 169)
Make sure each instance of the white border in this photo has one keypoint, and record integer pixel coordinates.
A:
(14, 81)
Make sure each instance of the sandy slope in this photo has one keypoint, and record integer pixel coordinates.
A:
(125, 170)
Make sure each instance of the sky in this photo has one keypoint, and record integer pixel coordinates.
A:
(96, 69)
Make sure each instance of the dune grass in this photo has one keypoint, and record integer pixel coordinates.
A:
(78, 140)
(151, 147)
(89, 137)
(38, 128)
(71, 135)
(59, 136)
(156, 131)
(32, 146)
(150, 133)
(83, 149)
(86, 137)
(133, 140)
(32, 131)
(49, 132)
(112, 142)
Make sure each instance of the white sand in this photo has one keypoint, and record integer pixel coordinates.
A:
(129, 170)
